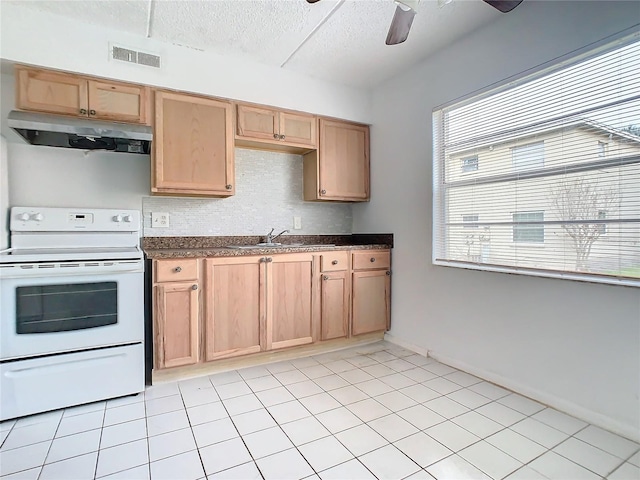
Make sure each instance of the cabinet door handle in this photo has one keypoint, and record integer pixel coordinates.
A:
(281, 137)
(83, 111)
(276, 136)
(372, 259)
(322, 192)
(388, 272)
(194, 287)
(269, 259)
(335, 262)
(92, 112)
(177, 269)
(325, 277)
(228, 187)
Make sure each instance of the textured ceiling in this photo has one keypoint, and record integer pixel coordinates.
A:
(347, 47)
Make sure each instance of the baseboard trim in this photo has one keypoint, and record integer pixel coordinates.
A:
(553, 401)
(407, 345)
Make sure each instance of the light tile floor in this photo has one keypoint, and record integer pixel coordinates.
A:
(374, 411)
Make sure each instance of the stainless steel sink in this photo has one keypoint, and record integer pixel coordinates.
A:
(276, 245)
(265, 245)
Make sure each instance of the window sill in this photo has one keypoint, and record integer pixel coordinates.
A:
(575, 276)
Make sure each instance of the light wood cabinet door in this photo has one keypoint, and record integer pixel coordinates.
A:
(193, 146)
(334, 305)
(289, 300)
(51, 92)
(234, 307)
(259, 123)
(176, 312)
(371, 299)
(298, 129)
(339, 169)
(118, 102)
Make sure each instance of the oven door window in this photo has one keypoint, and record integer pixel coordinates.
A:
(61, 308)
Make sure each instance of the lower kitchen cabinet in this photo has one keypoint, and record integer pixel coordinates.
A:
(289, 307)
(252, 304)
(371, 301)
(176, 309)
(334, 305)
(371, 291)
(234, 306)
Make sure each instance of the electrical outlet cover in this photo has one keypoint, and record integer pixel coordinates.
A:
(297, 223)
(159, 219)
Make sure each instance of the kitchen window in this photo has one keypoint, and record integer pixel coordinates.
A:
(542, 183)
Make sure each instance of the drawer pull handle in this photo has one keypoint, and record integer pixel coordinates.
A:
(177, 269)
(335, 262)
(372, 259)
(194, 287)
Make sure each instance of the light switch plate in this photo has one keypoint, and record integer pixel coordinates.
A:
(159, 219)
(297, 223)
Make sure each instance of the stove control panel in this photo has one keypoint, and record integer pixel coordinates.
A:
(41, 219)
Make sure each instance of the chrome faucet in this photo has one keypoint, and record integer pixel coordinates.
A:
(270, 237)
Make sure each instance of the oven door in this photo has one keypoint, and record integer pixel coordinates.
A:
(54, 308)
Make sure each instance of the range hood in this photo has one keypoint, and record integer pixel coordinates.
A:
(85, 134)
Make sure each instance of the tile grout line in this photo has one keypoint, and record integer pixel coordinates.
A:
(234, 426)
(195, 441)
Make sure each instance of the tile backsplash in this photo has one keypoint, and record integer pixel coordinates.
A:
(268, 195)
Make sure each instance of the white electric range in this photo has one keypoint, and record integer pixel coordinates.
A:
(71, 309)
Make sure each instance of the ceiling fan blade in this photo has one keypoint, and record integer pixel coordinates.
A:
(503, 5)
(400, 25)
(312, 1)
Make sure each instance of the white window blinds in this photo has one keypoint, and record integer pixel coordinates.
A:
(555, 183)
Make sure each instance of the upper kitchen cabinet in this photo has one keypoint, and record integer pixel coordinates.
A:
(339, 169)
(67, 94)
(193, 150)
(261, 127)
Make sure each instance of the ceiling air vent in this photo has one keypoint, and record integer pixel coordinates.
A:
(133, 56)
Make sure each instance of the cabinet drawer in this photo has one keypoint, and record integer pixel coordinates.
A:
(176, 270)
(368, 260)
(334, 261)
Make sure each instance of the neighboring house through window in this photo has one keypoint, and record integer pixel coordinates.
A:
(527, 157)
(528, 232)
(558, 188)
(470, 164)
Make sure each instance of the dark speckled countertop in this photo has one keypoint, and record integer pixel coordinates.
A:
(184, 247)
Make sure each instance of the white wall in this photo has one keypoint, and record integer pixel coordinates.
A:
(31, 37)
(573, 345)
